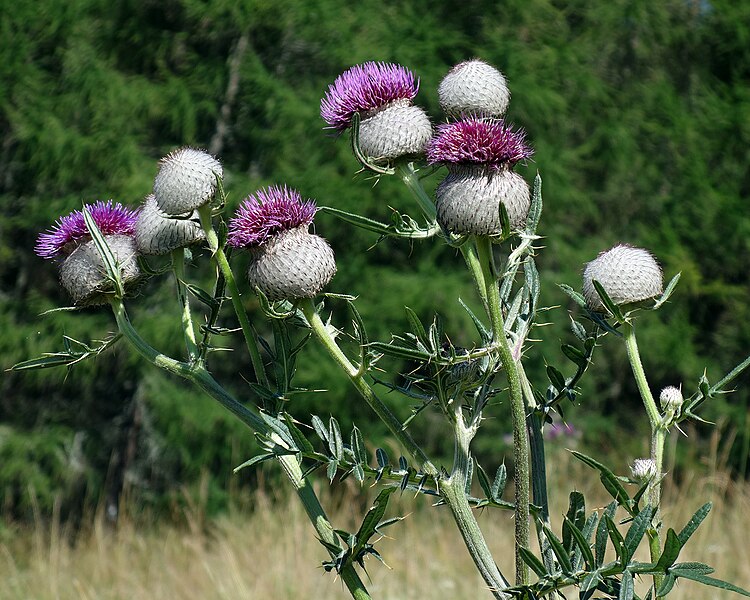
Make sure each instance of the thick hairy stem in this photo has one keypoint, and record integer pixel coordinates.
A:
(518, 413)
(203, 379)
(178, 267)
(658, 437)
(223, 264)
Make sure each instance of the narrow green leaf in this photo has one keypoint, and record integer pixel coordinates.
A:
(534, 563)
(484, 481)
(254, 461)
(108, 258)
(637, 530)
(535, 211)
(202, 295)
(372, 518)
(694, 566)
(498, 486)
(672, 547)
(609, 480)
(575, 296)
(667, 292)
(333, 466)
(576, 515)
(335, 441)
(579, 556)
(694, 523)
(560, 553)
(400, 351)
(359, 221)
(617, 541)
(613, 309)
(627, 587)
(580, 541)
(556, 377)
(320, 428)
(44, 362)
(358, 446)
(590, 582)
(601, 533)
(575, 355)
(416, 325)
(482, 329)
(300, 440)
(666, 585)
(578, 330)
(382, 458)
(705, 580)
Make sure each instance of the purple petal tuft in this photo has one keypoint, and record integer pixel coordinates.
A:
(366, 87)
(111, 219)
(478, 141)
(267, 212)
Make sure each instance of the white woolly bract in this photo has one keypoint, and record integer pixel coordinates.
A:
(627, 274)
(186, 180)
(474, 87)
(398, 129)
(157, 233)
(84, 275)
(292, 264)
(671, 397)
(643, 469)
(468, 200)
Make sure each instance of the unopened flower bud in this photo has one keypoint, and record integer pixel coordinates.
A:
(670, 398)
(158, 233)
(474, 87)
(627, 274)
(480, 155)
(186, 180)
(643, 469)
(382, 94)
(288, 261)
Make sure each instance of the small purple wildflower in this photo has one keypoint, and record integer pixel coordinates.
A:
(267, 212)
(478, 141)
(366, 87)
(110, 218)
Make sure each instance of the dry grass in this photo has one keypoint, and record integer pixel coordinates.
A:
(273, 554)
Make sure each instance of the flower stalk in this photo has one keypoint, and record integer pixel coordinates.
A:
(178, 268)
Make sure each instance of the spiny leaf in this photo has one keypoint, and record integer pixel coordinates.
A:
(638, 528)
(627, 587)
(601, 533)
(536, 565)
(672, 547)
(694, 523)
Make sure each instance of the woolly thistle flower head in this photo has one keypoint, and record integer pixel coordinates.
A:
(70, 231)
(626, 273)
(474, 87)
(670, 398)
(643, 469)
(492, 143)
(364, 88)
(186, 180)
(268, 212)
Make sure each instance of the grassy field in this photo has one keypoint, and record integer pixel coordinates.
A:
(272, 553)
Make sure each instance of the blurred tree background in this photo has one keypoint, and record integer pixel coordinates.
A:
(639, 112)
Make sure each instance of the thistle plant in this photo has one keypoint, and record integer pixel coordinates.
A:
(490, 214)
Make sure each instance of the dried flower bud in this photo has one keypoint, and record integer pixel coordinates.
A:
(474, 87)
(84, 275)
(671, 398)
(186, 180)
(381, 93)
(627, 274)
(480, 155)
(158, 233)
(643, 469)
(287, 261)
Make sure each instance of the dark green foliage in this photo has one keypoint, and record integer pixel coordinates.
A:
(639, 113)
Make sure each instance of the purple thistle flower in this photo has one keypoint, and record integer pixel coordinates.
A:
(478, 141)
(267, 212)
(111, 219)
(366, 87)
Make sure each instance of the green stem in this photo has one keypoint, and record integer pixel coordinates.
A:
(357, 378)
(178, 267)
(454, 492)
(518, 413)
(409, 176)
(204, 213)
(658, 437)
(200, 377)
